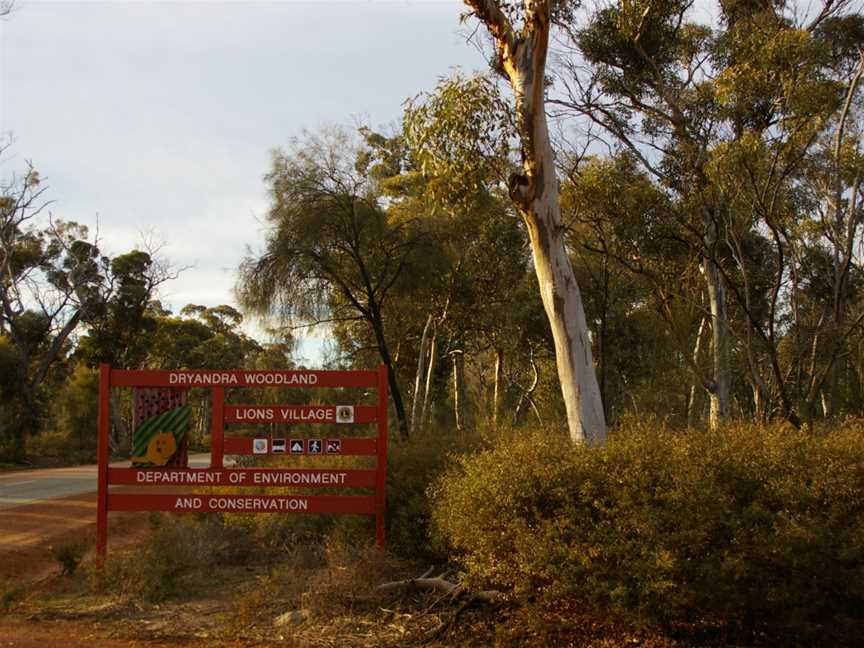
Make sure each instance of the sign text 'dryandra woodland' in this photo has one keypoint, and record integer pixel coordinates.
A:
(217, 379)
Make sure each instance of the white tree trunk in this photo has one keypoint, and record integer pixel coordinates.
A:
(421, 373)
(691, 406)
(558, 288)
(522, 57)
(525, 401)
(426, 412)
(719, 394)
(499, 379)
(563, 304)
(459, 389)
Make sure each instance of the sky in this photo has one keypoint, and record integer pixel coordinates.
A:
(157, 119)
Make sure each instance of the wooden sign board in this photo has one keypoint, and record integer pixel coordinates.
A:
(324, 446)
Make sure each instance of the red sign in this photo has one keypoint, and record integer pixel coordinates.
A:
(218, 475)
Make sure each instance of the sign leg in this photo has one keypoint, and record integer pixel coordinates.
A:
(217, 428)
(381, 483)
(102, 457)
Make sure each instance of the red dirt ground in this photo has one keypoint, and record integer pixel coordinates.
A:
(30, 532)
(24, 634)
(69, 634)
(28, 535)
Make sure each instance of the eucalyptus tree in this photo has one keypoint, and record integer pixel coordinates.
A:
(118, 326)
(687, 99)
(830, 185)
(334, 251)
(53, 281)
(203, 337)
(644, 86)
(639, 279)
(520, 32)
(49, 277)
(788, 91)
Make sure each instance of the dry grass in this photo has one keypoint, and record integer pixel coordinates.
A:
(335, 587)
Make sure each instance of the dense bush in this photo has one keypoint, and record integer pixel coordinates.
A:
(759, 532)
(177, 549)
(76, 408)
(412, 467)
(68, 434)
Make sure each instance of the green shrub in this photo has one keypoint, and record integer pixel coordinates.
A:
(171, 553)
(68, 555)
(11, 594)
(75, 413)
(412, 467)
(753, 530)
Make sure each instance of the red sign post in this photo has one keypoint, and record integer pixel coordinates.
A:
(218, 475)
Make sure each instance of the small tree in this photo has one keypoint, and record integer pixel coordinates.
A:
(334, 253)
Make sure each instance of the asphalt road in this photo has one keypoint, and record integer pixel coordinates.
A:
(25, 487)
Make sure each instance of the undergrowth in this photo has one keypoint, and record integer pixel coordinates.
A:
(757, 532)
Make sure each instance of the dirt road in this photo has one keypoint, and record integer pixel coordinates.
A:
(41, 510)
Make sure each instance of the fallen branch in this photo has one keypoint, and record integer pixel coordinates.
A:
(441, 584)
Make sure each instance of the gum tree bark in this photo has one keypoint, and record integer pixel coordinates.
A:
(421, 372)
(534, 192)
(718, 393)
(694, 385)
(426, 411)
(458, 357)
(499, 383)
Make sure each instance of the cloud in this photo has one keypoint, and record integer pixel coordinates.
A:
(161, 116)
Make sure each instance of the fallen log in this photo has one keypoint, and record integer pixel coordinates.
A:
(441, 584)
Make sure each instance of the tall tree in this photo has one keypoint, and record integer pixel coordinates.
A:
(50, 277)
(119, 324)
(748, 94)
(645, 86)
(637, 276)
(466, 305)
(521, 38)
